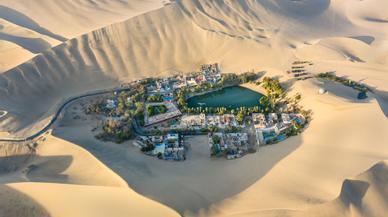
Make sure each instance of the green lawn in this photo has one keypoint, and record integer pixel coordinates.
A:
(156, 110)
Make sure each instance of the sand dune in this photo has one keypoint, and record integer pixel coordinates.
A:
(54, 160)
(66, 19)
(365, 195)
(32, 172)
(93, 201)
(345, 138)
(34, 26)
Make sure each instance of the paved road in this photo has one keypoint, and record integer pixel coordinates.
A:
(59, 111)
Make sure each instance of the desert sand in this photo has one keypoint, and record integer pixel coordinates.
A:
(337, 167)
(28, 28)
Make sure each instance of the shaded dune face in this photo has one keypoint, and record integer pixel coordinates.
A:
(303, 7)
(20, 19)
(33, 45)
(16, 203)
(14, 157)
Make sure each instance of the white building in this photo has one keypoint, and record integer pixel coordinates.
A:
(213, 120)
(188, 121)
(259, 137)
(286, 118)
(229, 120)
(259, 120)
(272, 118)
(110, 104)
(172, 136)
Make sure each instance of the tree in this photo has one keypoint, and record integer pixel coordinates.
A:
(216, 139)
(148, 147)
(213, 129)
(240, 116)
(265, 103)
(155, 98)
(139, 108)
(298, 97)
(362, 95)
(204, 130)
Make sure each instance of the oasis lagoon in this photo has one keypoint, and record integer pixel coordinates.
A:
(228, 97)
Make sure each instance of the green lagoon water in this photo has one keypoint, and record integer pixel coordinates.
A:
(229, 97)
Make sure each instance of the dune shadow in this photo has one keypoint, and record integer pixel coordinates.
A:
(14, 203)
(364, 38)
(36, 168)
(49, 169)
(301, 8)
(382, 99)
(189, 187)
(353, 191)
(14, 156)
(376, 20)
(34, 45)
(20, 19)
(342, 91)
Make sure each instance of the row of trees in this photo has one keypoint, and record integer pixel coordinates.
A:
(155, 98)
(276, 99)
(345, 81)
(234, 79)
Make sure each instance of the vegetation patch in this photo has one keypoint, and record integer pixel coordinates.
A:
(361, 88)
(153, 110)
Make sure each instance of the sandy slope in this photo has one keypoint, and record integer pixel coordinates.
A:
(69, 18)
(345, 138)
(34, 26)
(27, 199)
(84, 201)
(364, 195)
(10, 49)
(86, 187)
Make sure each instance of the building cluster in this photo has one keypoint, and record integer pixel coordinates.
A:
(271, 128)
(209, 73)
(168, 147)
(164, 88)
(201, 121)
(232, 145)
(111, 104)
(159, 86)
